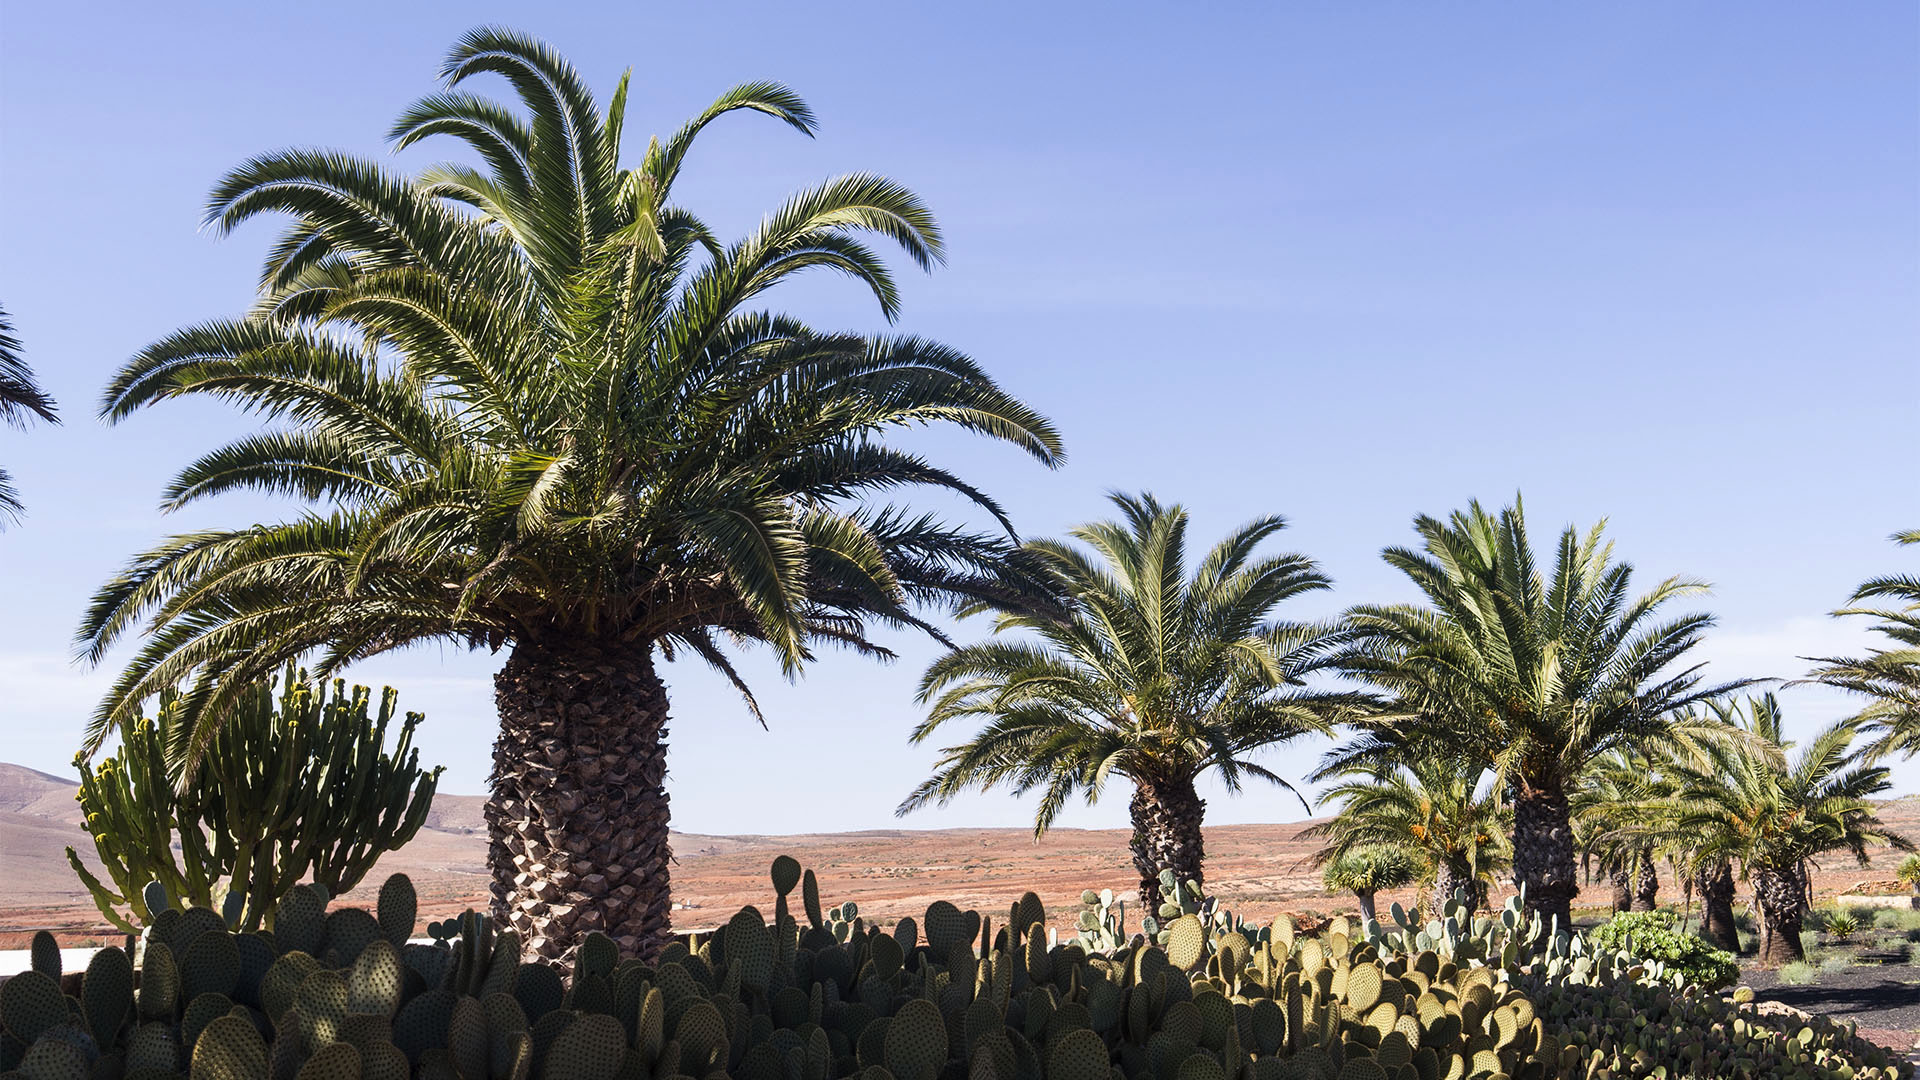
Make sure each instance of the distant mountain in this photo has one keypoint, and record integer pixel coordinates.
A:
(37, 794)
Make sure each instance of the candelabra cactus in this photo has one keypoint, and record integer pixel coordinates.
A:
(292, 787)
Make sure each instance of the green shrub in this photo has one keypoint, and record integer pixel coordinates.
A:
(1909, 872)
(1798, 973)
(1841, 924)
(1896, 919)
(1653, 935)
(1836, 961)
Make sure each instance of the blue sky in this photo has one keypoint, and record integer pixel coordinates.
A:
(1348, 263)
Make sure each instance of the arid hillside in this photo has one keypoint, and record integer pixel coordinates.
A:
(1258, 870)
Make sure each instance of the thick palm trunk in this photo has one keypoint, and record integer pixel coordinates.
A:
(1622, 883)
(1716, 907)
(578, 814)
(1167, 815)
(1646, 882)
(1781, 896)
(1449, 877)
(1543, 848)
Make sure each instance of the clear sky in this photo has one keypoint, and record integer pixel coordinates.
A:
(1658, 263)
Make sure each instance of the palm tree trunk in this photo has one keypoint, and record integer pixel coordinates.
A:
(1449, 876)
(1646, 882)
(1167, 815)
(1543, 848)
(1622, 883)
(1781, 897)
(1716, 906)
(577, 818)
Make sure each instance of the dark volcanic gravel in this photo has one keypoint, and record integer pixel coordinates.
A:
(1881, 996)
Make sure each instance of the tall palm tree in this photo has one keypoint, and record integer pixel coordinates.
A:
(21, 399)
(1531, 675)
(1746, 802)
(1430, 803)
(535, 409)
(1150, 673)
(1889, 677)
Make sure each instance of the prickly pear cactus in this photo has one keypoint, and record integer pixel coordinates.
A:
(779, 999)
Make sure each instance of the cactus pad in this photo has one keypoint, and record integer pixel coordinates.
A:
(30, 1003)
(591, 1048)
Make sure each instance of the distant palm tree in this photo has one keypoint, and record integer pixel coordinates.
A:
(1368, 871)
(1431, 804)
(21, 399)
(1531, 675)
(1608, 801)
(1890, 677)
(1745, 802)
(1151, 675)
(536, 410)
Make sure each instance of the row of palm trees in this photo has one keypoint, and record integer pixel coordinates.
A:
(1518, 718)
(530, 401)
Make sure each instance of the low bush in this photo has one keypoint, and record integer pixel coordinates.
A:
(820, 994)
(1653, 935)
(1835, 961)
(1896, 919)
(1798, 973)
(1841, 924)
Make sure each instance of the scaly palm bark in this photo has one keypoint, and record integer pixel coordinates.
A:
(533, 406)
(1145, 672)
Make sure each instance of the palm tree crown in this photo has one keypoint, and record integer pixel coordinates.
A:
(1432, 804)
(1532, 675)
(1149, 674)
(21, 399)
(1745, 800)
(1889, 677)
(536, 407)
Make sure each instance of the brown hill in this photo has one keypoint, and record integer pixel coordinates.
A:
(1258, 870)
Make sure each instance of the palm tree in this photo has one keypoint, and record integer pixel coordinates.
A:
(1745, 802)
(1890, 677)
(21, 399)
(1368, 871)
(1608, 802)
(1432, 804)
(1532, 676)
(1149, 674)
(535, 409)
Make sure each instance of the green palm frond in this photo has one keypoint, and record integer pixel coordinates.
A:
(1528, 673)
(1889, 677)
(1751, 801)
(532, 397)
(21, 400)
(1148, 671)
